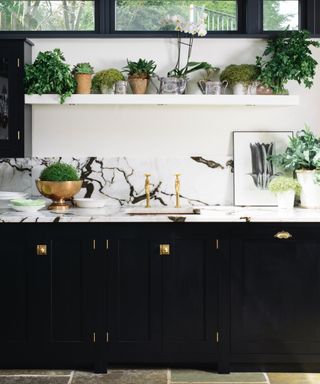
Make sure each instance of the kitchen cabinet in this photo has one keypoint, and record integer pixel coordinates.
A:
(162, 295)
(15, 116)
(275, 293)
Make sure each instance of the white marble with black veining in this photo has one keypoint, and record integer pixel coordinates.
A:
(208, 214)
(121, 180)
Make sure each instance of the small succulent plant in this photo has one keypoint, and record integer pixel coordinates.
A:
(59, 172)
(141, 68)
(107, 77)
(83, 68)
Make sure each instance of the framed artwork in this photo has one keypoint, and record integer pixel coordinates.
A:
(253, 170)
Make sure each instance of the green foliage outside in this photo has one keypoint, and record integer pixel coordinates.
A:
(303, 152)
(49, 74)
(284, 184)
(70, 15)
(59, 172)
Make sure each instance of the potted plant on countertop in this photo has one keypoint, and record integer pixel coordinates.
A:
(139, 74)
(285, 188)
(240, 77)
(104, 81)
(287, 57)
(303, 156)
(49, 74)
(83, 75)
(59, 182)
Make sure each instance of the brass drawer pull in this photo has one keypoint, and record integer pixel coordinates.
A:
(42, 250)
(164, 249)
(283, 235)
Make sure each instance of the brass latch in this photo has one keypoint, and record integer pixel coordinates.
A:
(164, 249)
(42, 250)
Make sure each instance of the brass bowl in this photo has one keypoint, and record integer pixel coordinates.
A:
(59, 192)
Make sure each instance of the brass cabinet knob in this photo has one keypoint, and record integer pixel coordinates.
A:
(283, 235)
(164, 249)
(42, 250)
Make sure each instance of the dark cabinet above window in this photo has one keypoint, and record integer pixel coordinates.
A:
(153, 18)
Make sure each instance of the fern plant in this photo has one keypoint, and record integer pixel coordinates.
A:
(49, 74)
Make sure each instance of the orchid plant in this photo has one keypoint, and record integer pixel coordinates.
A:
(192, 29)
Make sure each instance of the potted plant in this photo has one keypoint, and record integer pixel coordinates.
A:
(139, 73)
(104, 81)
(83, 74)
(285, 188)
(240, 77)
(59, 182)
(287, 57)
(303, 156)
(49, 74)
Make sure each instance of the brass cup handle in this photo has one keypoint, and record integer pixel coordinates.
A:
(283, 235)
(164, 249)
(42, 250)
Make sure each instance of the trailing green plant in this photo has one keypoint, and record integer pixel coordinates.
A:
(284, 184)
(106, 77)
(302, 153)
(287, 57)
(142, 68)
(245, 74)
(59, 172)
(83, 68)
(49, 74)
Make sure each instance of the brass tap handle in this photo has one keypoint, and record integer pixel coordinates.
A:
(177, 188)
(283, 235)
(147, 189)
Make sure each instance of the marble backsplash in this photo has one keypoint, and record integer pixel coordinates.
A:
(121, 180)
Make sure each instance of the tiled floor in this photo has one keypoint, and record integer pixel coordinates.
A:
(153, 376)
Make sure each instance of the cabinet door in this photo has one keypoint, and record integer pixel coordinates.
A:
(16, 327)
(134, 300)
(69, 305)
(11, 100)
(275, 291)
(190, 294)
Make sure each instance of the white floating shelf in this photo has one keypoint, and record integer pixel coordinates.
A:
(154, 99)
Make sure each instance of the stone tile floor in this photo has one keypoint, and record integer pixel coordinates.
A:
(152, 376)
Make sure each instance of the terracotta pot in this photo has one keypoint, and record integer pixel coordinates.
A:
(138, 85)
(261, 90)
(83, 83)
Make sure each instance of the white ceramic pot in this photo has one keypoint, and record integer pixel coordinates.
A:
(310, 190)
(240, 89)
(286, 199)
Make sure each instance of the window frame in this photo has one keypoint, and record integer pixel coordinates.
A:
(250, 24)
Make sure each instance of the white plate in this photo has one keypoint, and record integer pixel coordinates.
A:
(5, 201)
(29, 209)
(90, 203)
(8, 195)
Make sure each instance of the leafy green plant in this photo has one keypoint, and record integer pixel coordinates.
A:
(49, 74)
(142, 68)
(284, 184)
(287, 57)
(244, 73)
(83, 68)
(303, 152)
(59, 172)
(107, 77)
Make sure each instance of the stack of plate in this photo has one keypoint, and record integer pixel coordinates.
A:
(6, 197)
(27, 205)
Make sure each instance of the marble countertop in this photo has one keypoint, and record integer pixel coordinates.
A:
(127, 215)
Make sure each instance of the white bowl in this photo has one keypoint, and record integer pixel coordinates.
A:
(90, 203)
(27, 209)
(6, 199)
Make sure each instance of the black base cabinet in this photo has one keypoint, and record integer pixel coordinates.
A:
(227, 296)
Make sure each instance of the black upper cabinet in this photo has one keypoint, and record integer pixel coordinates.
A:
(15, 117)
(275, 291)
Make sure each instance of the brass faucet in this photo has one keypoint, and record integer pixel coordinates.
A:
(147, 189)
(177, 188)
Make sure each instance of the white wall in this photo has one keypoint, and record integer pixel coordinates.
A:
(159, 131)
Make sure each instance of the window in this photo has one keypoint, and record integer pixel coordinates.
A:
(47, 15)
(155, 15)
(280, 14)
